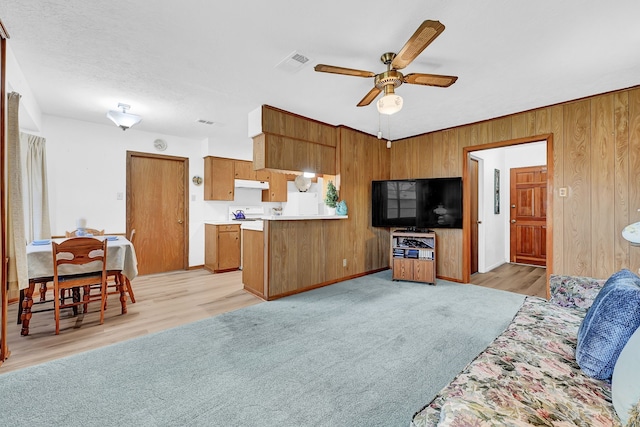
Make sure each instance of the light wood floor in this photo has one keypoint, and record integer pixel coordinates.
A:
(168, 300)
(519, 278)
(163, 301)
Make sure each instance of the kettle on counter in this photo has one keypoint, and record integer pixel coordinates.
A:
(239, 214)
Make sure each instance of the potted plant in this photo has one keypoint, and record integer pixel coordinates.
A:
(331, 199)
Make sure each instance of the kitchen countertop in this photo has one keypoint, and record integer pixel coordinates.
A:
(277, 218)
(303, 217)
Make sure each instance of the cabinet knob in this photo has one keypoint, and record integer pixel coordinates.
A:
(180, 221)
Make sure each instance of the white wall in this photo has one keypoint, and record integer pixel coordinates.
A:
(493, 234)
(86, 165)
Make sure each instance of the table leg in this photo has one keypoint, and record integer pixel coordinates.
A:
(123, 295)
(27, 302)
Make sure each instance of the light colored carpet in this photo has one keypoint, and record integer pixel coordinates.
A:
(365, 352)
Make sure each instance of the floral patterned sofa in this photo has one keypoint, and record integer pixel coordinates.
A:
(528, 375)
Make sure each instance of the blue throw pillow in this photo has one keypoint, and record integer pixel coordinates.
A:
(610, 321)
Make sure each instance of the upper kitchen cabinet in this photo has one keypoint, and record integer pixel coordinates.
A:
(277, 191)
(289, 142)
(244, 170)
(219, 178)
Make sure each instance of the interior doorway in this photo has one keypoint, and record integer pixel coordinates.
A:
(158, 209)
(504, 197)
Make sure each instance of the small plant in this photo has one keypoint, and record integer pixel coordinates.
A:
(331, 199)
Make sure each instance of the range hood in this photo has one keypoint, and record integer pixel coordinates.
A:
(247, 183)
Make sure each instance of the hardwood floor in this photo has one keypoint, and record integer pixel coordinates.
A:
(163, 301)
(519, 278)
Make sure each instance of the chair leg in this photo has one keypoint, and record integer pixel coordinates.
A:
(56, 308)
(20, 306)
(127, 283)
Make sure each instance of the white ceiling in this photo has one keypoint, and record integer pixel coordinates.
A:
(177, 62)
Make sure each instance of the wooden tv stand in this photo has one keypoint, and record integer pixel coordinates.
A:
(413, 256)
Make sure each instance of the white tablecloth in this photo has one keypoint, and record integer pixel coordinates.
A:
(120, 256)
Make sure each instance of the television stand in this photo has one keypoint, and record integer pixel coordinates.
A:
(413, 255)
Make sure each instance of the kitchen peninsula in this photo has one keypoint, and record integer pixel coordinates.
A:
(291, 254)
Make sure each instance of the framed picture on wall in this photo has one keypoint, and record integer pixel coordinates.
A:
(496, 190)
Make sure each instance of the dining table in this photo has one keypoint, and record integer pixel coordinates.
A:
(121, 260)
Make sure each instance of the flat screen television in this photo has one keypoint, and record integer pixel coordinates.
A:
(417, 203)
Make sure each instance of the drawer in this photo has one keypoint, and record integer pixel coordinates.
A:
(224, 228)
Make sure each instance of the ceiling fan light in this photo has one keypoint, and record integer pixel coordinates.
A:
(390, 104)
(123, 119)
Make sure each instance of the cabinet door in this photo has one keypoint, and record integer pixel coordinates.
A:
(403, 269)
(263, 175)
(423, 271)
(228, 250)
(244, 170)
(218, 178)
(277, 191)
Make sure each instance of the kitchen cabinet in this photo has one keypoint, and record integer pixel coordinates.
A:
(243, 169)
(219, 178)
(253, 259)
(222, 247)
(277, 191)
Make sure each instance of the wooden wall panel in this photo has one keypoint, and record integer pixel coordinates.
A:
(449, 253)
(577, 215)
(543, 121)
(621, 178)
(602, 177)
(523, 125)
(634, 170)
(501, 129)
(557, 126)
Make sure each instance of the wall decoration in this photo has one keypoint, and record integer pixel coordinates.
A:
(496, 190)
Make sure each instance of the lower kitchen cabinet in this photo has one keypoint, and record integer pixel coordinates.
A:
(221, 247)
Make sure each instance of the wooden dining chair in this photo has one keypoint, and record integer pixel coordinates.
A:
(92, 231)
(79, 251)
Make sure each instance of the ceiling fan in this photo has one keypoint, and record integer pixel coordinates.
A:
(388, 80)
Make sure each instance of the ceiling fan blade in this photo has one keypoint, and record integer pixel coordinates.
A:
(341, 70)
(424, 35)
(430, 79)
(369, 97)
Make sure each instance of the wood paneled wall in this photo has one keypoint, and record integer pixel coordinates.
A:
(596, 152)
(307, 254)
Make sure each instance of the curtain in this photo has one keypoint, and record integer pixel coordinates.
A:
(39, 226)
(17, 241)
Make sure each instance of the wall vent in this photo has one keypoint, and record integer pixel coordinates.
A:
(205, 122)
(293, 62)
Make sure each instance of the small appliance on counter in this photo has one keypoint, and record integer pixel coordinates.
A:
(250, 213)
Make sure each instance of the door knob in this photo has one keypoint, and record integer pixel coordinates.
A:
(180, 221)
(513, 206)
(513, 221)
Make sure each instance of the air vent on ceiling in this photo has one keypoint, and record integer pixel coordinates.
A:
(205, 122)
(293, 62)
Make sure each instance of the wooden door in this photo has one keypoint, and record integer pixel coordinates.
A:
(158, 210)
(229, 249)
(528, 215)
(473, 187)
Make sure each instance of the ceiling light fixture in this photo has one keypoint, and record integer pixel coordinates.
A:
(123, 119)
(390, 103)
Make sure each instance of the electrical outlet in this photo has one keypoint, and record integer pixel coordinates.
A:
(193, 197)
(344, 262)
(119, 196)
(562, 191)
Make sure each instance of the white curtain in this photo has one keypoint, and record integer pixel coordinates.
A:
(39, 225)
(17, 241)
